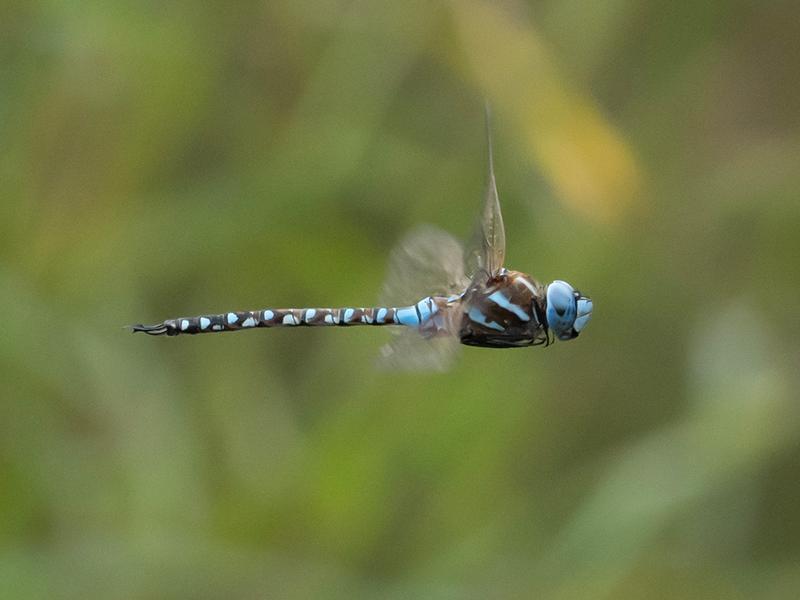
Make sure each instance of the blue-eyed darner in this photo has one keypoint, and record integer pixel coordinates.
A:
(467, 297)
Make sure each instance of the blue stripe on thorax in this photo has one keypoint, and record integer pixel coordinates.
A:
(478, 317)
(503, 302)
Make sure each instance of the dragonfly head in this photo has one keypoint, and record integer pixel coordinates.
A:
(568, 311)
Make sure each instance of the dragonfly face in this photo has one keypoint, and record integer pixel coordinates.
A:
(567, 310)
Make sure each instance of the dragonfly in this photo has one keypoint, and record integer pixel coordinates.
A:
(437, 296)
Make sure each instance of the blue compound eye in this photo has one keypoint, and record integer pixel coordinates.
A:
(584, 314)
(568, 311)
(562, 310)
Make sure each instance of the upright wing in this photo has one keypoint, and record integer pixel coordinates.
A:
(487, 248)
(426, 262)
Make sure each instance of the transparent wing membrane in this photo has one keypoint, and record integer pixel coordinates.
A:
(410, 351)
(487, 248)
(426, 262)
(429, 261)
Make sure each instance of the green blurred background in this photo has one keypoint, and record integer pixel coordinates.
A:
(167, 159)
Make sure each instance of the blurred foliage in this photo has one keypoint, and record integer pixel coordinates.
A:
(165, 159)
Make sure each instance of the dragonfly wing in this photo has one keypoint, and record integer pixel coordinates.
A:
(426, 262)
(410, 351)
(487, 249)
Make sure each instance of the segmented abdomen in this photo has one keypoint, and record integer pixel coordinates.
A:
(293, 317)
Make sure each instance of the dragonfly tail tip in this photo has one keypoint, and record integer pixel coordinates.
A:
(159, 329)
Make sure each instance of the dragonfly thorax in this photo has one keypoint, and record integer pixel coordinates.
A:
(506, 311)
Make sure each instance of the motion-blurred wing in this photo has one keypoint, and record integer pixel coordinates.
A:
(487, 248)
(410, 351)
(426, 262)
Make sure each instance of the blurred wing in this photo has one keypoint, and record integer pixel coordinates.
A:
(487, 248)
(426, 262)
(410, 351)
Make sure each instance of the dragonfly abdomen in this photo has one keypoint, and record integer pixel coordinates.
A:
(411, 316)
